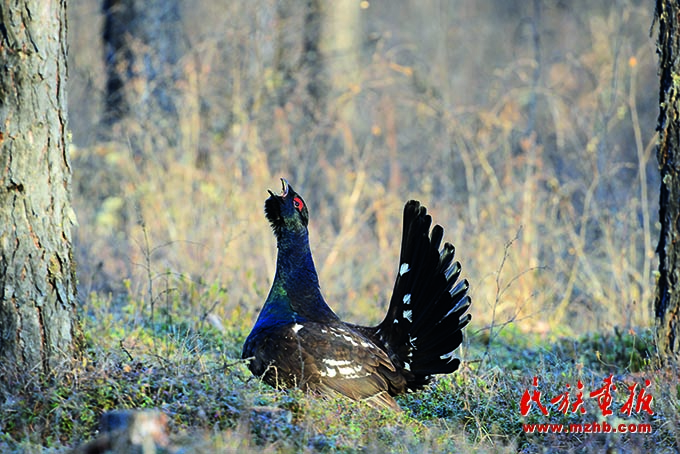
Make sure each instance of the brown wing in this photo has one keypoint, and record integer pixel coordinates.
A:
(349, 363)
(330, 359)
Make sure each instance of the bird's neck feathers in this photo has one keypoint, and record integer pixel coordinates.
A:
(295, 294)
(294, 262)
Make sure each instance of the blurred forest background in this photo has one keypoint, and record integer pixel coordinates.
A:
(526, 127)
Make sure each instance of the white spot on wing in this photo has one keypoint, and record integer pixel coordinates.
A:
(407, 299)
(408, 315)
(343, 367)
(350, 340)
(350, 372)
(297, 327)
(329, 372)
(339, 332)
(403, 269)
(407, 366)
(335, 362)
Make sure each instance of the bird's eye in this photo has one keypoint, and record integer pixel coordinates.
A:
(298, 203)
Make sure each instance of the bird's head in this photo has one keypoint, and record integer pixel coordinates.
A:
(286, 212)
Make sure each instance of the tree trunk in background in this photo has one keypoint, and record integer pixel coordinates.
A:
(328, 59)
(312, 61)
(143, 43)
(288, 49)
(667, 302)
(38, 325)
(341, 46)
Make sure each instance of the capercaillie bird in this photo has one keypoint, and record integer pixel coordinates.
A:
(299, 341)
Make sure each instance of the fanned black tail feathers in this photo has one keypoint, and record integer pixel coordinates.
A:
(427, 312)
(298, 340)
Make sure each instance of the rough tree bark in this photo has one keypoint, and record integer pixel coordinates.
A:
(667, 301)
(38, 324)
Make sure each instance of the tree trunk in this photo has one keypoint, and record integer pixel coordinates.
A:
(38, 325)
(341, 46)
(313, 60)
(667, 302)
(328, 55)
(143, 45)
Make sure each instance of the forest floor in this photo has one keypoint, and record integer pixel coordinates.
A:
(188, 368)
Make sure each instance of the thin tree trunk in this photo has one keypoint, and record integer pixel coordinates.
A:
(667, 302)
(313, 60)
(38, 326)
(341, 37)
(143, 46)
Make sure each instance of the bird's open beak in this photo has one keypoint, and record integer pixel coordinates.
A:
(284, 187)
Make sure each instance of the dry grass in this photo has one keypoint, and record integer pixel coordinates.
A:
(552, 153)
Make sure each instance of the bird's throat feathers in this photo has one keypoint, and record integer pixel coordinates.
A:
(295, 270)
(296, 284)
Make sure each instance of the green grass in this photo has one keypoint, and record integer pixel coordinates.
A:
(189, 368)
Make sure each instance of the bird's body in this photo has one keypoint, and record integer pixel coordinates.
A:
(298, 341)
